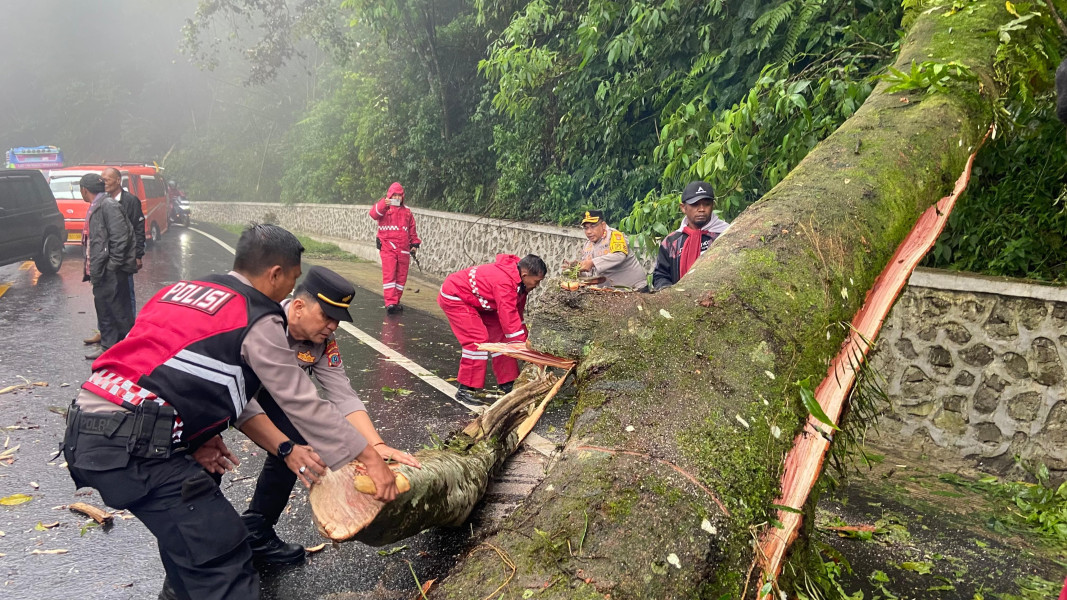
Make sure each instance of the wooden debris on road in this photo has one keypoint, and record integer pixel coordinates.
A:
(99, 515)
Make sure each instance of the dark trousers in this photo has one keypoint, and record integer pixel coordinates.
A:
(201, 538)
(114, 313)
(276, 481)
(133, 300)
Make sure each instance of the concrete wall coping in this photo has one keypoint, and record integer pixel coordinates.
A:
(984, 284)
(538, 227)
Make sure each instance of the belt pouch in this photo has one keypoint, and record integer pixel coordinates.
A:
(70, 435)
(161, 443)
(144, 423)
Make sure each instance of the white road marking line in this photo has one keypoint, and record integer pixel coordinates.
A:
(533, 440)
(228, 247)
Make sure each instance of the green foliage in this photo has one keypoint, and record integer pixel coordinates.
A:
(624, 98)
(1012, 221)
(1039, 507)
(928, 75)
(825, 581)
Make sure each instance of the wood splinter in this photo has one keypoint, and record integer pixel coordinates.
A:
(101, 516)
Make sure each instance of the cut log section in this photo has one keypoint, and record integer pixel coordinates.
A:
(445, 490)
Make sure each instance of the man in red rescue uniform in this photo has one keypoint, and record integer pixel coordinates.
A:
(144, 429)
(397, 242)
(485, 303)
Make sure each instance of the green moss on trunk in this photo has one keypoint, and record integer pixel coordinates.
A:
(703, 372)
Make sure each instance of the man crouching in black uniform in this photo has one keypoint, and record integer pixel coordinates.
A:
(144, 429)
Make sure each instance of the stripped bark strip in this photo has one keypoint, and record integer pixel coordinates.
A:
(527, 426)
(520, 351)
(804, 462)
(680, 470)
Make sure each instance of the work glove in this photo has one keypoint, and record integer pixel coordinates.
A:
(414, 250)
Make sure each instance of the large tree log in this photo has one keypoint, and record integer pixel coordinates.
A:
(448, 486)
(687, 402)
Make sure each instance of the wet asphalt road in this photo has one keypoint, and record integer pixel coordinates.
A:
(42, 323)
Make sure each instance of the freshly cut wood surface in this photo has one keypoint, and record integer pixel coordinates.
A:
(447, 487)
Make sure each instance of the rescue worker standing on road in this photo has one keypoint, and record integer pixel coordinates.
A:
(109, 259)
(607, 253)
(397, 242)
(144, 429)
(700, 227)
(485, 303)
(319, 304)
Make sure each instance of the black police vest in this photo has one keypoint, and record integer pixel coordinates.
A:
(185, 349)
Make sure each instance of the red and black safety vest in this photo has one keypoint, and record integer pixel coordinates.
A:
(185, 350)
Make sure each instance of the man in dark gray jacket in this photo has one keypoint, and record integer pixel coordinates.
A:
(131, 207)
(108, 244)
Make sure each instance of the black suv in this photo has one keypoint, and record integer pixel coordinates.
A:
(30, 223)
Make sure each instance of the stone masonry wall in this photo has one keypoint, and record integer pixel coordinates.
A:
(450, 241)
(976, 365)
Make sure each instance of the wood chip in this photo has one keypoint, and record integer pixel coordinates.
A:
(56, 551)
(99, 515)
(314, 549)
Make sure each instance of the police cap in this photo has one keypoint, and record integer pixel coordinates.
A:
(331, 290)
(592, 216)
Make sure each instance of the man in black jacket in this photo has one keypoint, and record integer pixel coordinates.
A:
(131, 207)
(679, 250)
(109, 259)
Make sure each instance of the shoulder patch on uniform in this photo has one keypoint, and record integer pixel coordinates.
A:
(618, 243)
(333, 354)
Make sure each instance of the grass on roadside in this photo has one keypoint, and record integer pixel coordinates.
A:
(312, 248)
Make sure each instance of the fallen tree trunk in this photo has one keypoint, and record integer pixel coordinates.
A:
(445, 490)
(687, 399)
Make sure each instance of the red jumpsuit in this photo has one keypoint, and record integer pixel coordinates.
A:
(484, 304)
(396, 237)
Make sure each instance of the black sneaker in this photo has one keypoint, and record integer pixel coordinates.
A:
(267, 547)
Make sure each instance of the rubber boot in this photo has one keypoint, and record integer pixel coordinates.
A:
(267, 547)
(506, 387)
(466, 394)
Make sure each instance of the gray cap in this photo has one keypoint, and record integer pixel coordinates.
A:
(92, 182)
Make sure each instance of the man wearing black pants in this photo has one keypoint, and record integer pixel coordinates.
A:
(144, 429)
(109, 259)
(131, 207)
(313, 314)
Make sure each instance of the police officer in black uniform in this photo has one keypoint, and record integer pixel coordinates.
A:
(144, 429)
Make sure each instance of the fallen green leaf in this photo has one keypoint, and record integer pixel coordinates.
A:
(391, 550)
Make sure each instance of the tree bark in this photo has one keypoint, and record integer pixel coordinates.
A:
(687, 402)
(446, 489)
